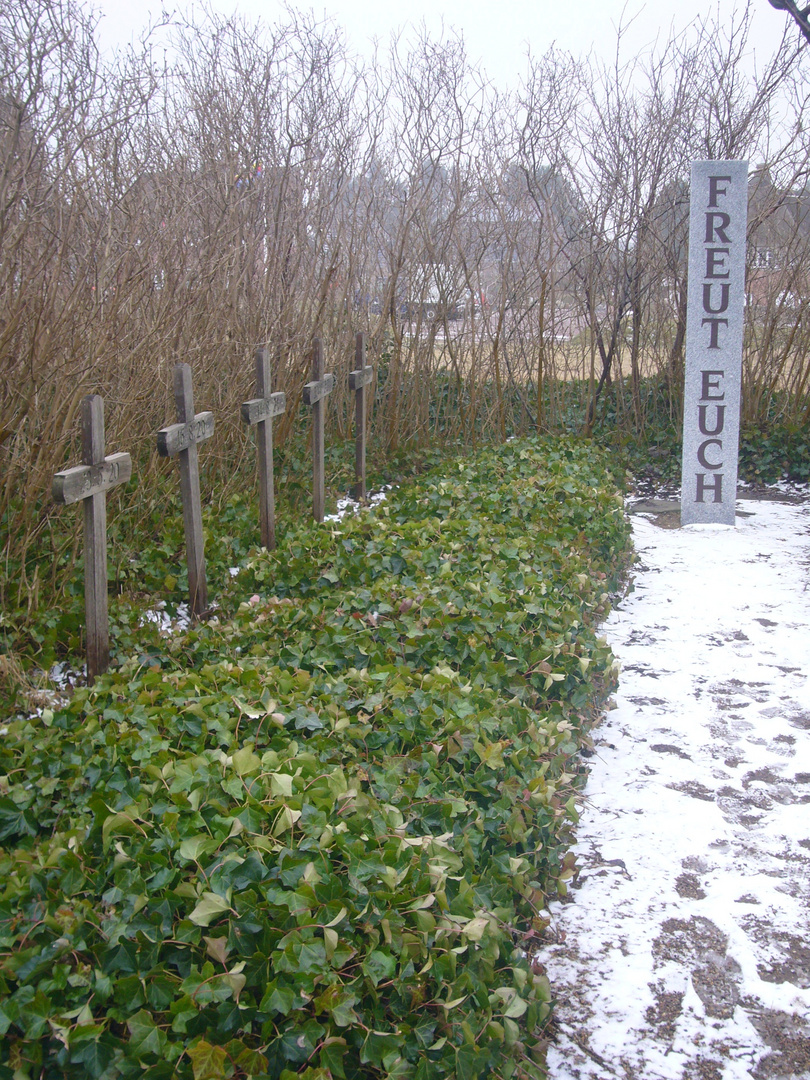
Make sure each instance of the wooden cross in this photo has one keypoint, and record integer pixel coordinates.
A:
(358, 381)
(260, 411)
(315, 393)
(181, 439)
(89, 483)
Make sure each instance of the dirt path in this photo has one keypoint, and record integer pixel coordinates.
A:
(684, 951)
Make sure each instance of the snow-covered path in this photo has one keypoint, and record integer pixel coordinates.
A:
(684, 951)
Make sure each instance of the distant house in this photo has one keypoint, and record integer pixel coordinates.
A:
(778, 242)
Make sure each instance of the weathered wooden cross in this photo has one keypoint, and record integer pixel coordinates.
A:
(315, 393)
(89, 483)
(181, 439)
(358, 381)
(260, 411)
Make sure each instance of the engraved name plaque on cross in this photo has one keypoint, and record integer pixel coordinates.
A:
(89, 483)
(181, 440)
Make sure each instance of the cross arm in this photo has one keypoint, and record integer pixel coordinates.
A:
(258, 409)
(361, 377)
(176, 437)
(82, 481)
(315, 391)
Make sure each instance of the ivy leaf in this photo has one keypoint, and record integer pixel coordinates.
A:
(217, 948)
(516, 1008)
(195, 846)
(379, 965)
(247, 710)
(236, 980)
(491, 754)
(207, 1061)
(341, 915)
(245, 761)
(15, 821)
(343, 1013)
(422, 902)
(279, 1000)
(508, 1002)
(332, 1053)
(286, 819)
(475, 928)
(252, 1062)
(145, 1036)
(95, 1056)
(119, 824)
(281, 784)
(210, 907)
(330, 940)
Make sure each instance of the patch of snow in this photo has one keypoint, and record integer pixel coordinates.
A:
(683, 951)
(165, 623)
(159, 615)
(348, 505)
(793, 488)
(63, 676)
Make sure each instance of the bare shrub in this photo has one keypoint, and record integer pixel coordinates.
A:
(515, 259)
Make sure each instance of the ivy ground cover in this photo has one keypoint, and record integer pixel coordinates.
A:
(314, 837)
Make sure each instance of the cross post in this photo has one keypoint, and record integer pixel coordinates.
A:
(181, 440)
(358, 381)
(88, 483)
(315, 393)
(260, 411)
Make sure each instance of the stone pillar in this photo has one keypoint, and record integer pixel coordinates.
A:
(718, 219)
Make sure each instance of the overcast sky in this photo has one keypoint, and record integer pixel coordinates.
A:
(497, 34)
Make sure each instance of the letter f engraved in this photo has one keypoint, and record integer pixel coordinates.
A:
(715, 191)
